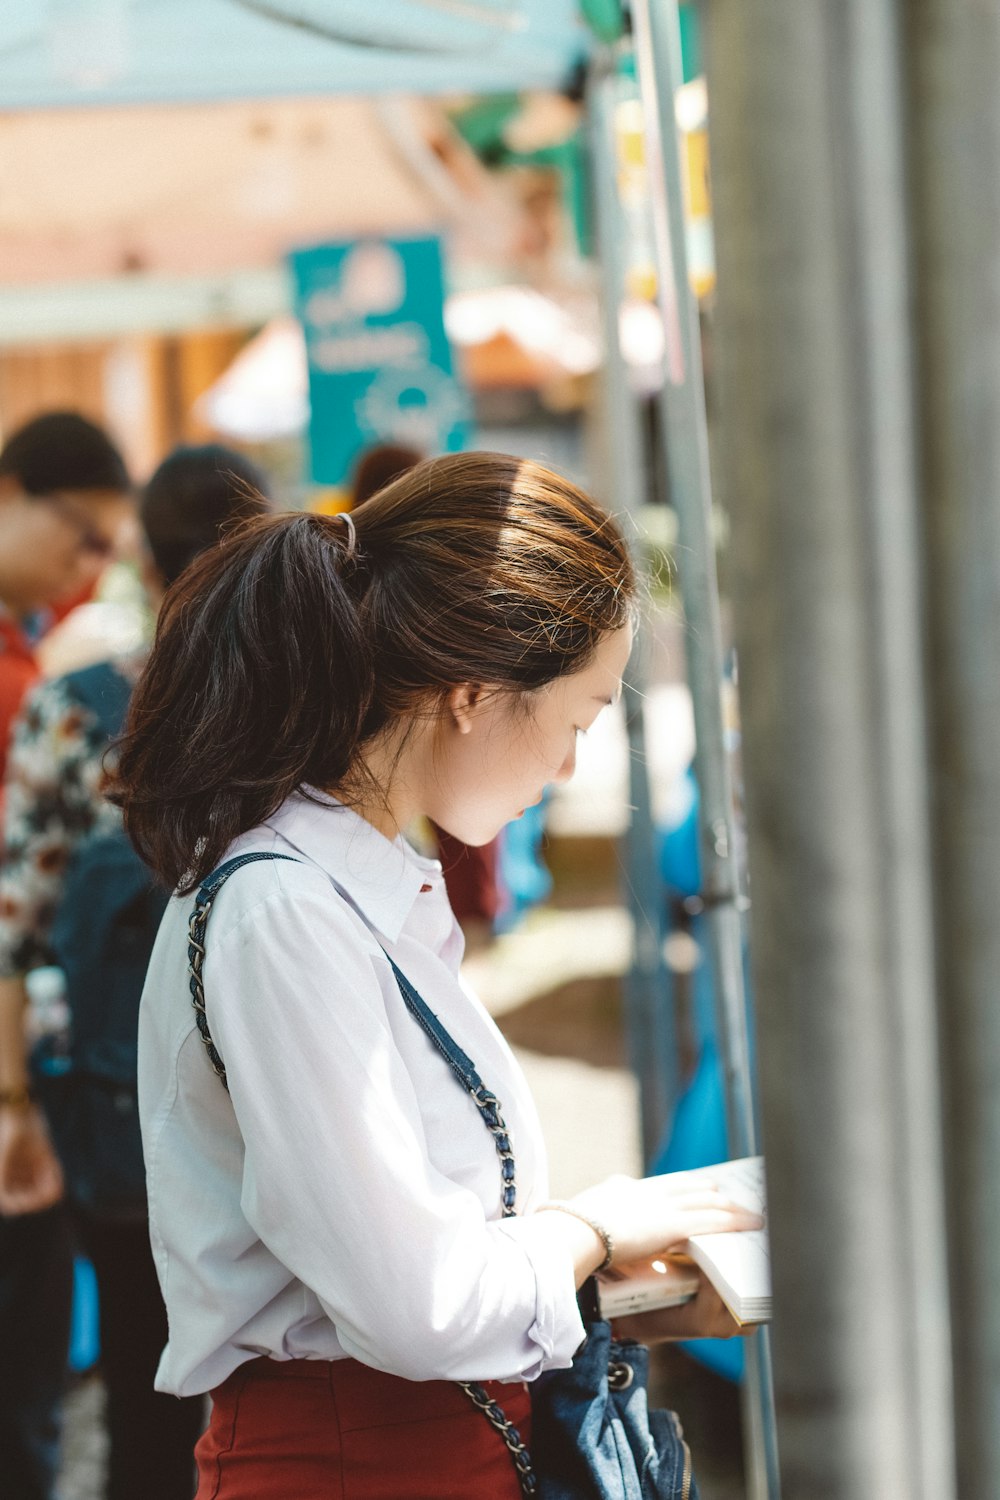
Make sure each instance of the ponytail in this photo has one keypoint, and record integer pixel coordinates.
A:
(281, 652)
(259, 681)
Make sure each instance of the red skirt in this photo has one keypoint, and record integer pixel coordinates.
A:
(318, 1430)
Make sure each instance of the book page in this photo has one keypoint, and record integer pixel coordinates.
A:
(739, 1264)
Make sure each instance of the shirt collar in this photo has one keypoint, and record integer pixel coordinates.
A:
(382, 877)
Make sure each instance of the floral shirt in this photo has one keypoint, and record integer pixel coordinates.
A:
(52, 801)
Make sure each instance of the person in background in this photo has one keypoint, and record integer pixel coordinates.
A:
(65, 507)
(53, 802)
(379, 466)
(471, 876)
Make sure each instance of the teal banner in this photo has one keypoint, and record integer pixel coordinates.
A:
(380, 365)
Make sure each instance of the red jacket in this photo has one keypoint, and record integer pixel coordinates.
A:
(18, 672)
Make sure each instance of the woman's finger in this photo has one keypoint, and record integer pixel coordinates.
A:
(712, 1199)
(715, 1221)
(693, 1197)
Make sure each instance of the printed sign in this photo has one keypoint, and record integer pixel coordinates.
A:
(380, 365)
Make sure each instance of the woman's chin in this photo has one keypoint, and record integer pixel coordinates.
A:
(475, 836)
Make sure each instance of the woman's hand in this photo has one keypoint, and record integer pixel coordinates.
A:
(652, 1215)
(644, 1217)
(706, 1316)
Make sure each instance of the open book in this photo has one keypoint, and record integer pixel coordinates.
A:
(737, 1264)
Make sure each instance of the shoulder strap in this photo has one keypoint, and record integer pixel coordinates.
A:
(458, 1061)
(197, 923)
(464, 1070)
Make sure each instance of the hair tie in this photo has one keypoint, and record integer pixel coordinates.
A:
(352, 532)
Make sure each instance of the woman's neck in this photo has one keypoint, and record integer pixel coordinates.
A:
(386, 792)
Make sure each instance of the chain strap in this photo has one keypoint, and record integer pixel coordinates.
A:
(196, 947)
(502, 1424)
(464, 1070)
(196, 960)
(491, 1114)
(489, 1108)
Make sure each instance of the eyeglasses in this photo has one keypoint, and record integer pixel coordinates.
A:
(89, 538)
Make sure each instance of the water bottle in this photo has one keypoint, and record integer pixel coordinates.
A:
(48, 1020)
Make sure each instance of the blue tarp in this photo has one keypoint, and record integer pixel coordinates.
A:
(696, 1136)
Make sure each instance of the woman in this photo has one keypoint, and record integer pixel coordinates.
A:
(53, 803)
(329, 1228)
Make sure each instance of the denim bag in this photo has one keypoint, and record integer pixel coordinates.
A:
(594, 1437)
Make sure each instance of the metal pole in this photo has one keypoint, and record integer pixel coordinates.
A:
(953, 65)
(657, 39)
(650, 1031)
(815, 367)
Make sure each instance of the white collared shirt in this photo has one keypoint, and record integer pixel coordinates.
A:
(343, 1199)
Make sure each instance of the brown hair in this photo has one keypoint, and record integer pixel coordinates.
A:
(280, 653)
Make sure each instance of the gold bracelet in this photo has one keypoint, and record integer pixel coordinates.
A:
(599, 1230)
(19, 1098)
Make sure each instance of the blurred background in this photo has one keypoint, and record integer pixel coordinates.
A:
(317, 230)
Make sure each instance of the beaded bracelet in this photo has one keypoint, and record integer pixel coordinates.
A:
(599, 1230)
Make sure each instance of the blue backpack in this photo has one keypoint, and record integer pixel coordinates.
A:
(102, 938)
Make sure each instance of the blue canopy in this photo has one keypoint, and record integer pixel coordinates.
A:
(79, 52)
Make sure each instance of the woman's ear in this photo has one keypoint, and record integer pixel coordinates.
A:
(462, 704)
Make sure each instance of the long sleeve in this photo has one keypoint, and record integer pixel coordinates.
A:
(337, 1174)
